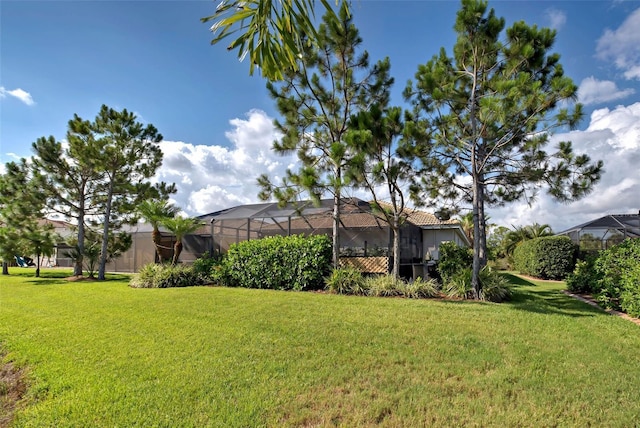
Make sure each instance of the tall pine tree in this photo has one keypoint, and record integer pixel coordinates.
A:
(69, 178)
(100, 175)
(129, 157)
(332, 82)
(491, 109)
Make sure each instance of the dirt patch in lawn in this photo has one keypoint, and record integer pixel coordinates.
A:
(12, 388)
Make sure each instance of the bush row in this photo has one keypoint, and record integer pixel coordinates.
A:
(613, 276)
(495, 287)
(351, 281)
(549, 257)
(304, 263)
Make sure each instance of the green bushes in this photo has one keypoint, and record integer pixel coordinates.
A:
(455, 269)
(619, 284)
(549, 257)
(347, 280)
(351, 281)
(278, 262)
(205, 266)
(453, 259)
(584, 278)
(494, 287)
(613, 277)
(165, 276)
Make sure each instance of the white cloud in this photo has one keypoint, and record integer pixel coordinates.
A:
(594, 91)
(18, 93)
(622, 46)
(210, 178)
(612, 136)
(557, 18)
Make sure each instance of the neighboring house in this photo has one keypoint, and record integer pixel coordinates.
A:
(63, 231)
(602, 233)
(365, 237)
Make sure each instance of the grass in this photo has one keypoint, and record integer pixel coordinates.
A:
(102, 354)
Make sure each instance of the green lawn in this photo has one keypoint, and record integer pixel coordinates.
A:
(101, 354)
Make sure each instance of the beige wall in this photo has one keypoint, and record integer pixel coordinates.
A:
(432, 238)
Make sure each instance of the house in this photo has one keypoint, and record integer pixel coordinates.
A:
(365, 237)
(603, 232)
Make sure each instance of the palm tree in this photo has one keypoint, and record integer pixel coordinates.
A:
(180, 226)
(539, 230)
(513, 238)
(524, 233)
(155, 212)
(466, 222)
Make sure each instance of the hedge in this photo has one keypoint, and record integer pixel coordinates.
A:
(278, 262)
(549, 257)
(618, 273)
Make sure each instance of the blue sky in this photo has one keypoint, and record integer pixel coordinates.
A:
(154, 58)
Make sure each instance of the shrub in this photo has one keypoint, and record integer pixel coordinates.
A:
(421, 289)
(278, 262)
(495, 287)
(347, 280)
(351, 281)
(165, 276)
(549, 257)
(204, 267)
(385, 286)
(619, 277)
(584, 278)
(453, 259)
(458, 286)
(145, 278)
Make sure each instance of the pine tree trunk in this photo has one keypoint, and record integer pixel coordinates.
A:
(479, 235)
(336, 221)
(77, 270)
(105, 234)
(38, 266)
(5, 268)
(396, 247)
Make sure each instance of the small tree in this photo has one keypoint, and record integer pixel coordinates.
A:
(40, 240)
(22, 230)
(180, 227)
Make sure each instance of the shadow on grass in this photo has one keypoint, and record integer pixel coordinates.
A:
(60, 277)
(516, 280)
(528, 296)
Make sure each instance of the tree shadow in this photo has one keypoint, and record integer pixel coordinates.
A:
(517, 280)
(530, 297)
